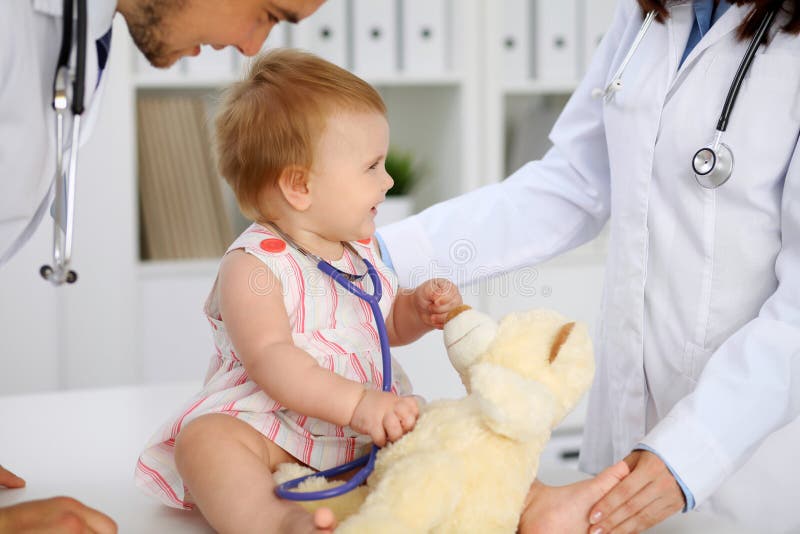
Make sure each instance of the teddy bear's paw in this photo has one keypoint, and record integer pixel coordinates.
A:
(512, 405)
(466, 337)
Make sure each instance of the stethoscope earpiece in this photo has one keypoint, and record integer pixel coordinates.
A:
(609, 91)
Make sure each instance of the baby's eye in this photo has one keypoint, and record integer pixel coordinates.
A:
(373, 166)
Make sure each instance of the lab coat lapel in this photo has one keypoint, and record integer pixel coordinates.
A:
(679, 25)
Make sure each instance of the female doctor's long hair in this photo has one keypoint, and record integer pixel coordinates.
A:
(791, 8)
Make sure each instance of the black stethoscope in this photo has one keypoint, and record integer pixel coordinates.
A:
(64, 206)
(713, 164)
(367, 461)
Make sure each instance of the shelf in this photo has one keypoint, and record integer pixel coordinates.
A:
(211, 82)
(178, 268)
(535, 87)
(216, 82)
(417, 81)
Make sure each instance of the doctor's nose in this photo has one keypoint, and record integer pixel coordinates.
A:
(250, 47)
(252, 43)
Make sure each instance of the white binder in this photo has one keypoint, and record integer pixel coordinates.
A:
(556, 41)
(515, 39)
(597, 18)
(325, 34)
(375, 37)
(426, 36)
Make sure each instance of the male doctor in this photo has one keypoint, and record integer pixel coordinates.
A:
(698, 377)
(30, 37)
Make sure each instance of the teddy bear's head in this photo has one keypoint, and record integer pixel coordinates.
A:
(524, 351)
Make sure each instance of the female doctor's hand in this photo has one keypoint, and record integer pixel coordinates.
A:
(644, 498)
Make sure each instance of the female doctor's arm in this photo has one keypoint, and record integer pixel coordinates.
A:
(749, 389)
(545, 208)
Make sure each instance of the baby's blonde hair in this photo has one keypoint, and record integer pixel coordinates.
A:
(274, 117)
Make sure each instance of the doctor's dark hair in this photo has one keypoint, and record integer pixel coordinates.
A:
(272, 119)
(790, 8)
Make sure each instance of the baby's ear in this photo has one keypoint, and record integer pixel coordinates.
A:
(293, 183)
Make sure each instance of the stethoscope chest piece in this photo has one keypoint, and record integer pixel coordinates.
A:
(713, 166)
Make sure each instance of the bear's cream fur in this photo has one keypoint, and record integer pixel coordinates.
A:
(469, 463)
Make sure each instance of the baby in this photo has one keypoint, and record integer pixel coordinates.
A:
(297, 372)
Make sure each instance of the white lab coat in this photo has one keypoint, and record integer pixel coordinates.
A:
(30, 39)
(699, 344)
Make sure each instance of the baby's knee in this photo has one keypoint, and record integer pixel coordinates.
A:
(205, 431)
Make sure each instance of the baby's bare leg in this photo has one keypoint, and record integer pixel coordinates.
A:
(227, 466)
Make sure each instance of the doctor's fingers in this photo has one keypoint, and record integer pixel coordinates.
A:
(649, 484)
(650, 516)
(647, 508)
(9, 479)
(643, 470)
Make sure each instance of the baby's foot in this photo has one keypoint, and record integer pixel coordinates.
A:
(299, 521)
(565, 509)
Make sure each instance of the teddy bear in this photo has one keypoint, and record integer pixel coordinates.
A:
(468, 464)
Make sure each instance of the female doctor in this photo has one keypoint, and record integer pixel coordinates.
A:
(698, 378)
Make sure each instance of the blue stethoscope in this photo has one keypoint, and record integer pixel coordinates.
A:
(713, 164)
(367, 461)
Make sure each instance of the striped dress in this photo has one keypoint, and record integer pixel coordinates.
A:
(332, 325)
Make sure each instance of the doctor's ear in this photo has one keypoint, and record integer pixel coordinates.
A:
(293, 183)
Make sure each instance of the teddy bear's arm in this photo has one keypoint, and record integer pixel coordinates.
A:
(512, 405)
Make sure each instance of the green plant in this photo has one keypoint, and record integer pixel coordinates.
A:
(404, 170)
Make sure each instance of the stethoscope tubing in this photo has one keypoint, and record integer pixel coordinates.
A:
(368, 460)
(744, 67)
(712, 164)
(65, 182)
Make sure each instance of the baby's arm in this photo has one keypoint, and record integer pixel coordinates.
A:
(417, 312)
(258, 325)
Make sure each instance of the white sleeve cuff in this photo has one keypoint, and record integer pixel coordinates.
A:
(691, 452)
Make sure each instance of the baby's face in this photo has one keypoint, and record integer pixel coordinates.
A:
(348, 179)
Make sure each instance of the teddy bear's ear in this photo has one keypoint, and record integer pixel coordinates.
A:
(561, 338)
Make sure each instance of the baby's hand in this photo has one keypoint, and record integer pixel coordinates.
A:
(384, 416)
(434, 299)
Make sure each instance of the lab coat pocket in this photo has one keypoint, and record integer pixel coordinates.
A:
(695, 358)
